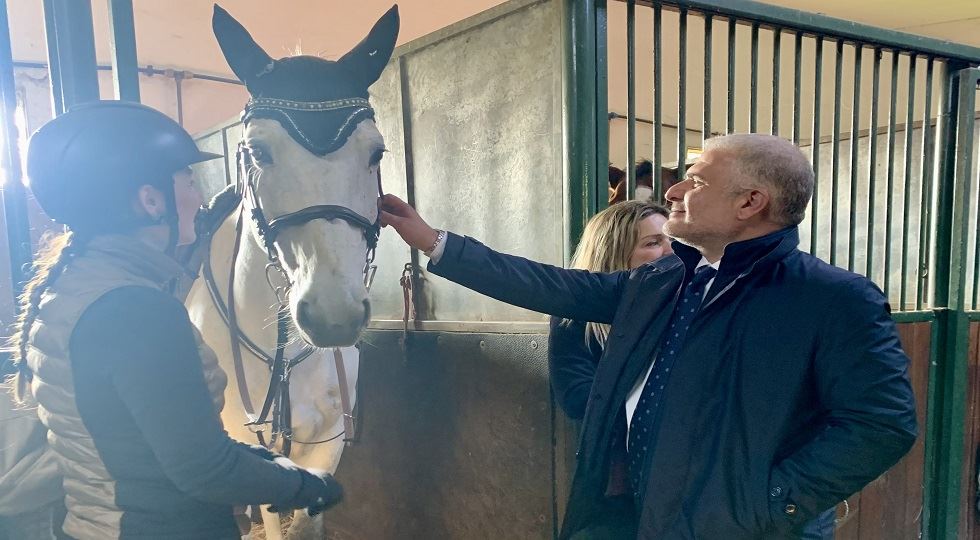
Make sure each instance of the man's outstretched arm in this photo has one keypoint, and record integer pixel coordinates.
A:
(574, 294)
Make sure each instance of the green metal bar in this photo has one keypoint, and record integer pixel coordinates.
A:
(873, 162)
(812, 23)
(682, 95)
(601, 111)
(933, 428)
(907, 207)
(797, 84)
(973, 316)
(777, 38)
(122, 44)
(16, 220)
(815, 137)
(658, 63)
(754, 88)
(914, 316)
(580, 92)
(855, 155)
(890, 177)
(630, 98)
(706, 103)
(75, 51)
(732, 25)
(835, 151)
(925, 225)
(951, 246)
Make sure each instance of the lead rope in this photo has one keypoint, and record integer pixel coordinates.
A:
(409, 301)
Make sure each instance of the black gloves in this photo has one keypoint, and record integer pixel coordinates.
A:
(318, 492)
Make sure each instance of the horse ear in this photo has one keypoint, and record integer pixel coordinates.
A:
(369, 57)
(243, 54)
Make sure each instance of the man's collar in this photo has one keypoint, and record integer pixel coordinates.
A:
(739, 255)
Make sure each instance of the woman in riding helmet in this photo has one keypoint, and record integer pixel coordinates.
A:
(128, 391)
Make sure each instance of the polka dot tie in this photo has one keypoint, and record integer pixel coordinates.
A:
(645, 414)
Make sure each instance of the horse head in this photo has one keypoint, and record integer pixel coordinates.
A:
(309, 164)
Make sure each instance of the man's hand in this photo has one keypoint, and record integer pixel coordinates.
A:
(407, 222)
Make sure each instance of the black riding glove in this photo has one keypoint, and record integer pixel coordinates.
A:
(319, 492)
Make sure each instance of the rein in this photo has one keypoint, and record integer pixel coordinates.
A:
(275, 414)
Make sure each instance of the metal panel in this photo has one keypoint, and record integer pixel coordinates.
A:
(392, 254)
(456, 440)
(488, 149)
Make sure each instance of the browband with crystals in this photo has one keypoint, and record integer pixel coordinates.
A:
(320, 126)
(331, 105)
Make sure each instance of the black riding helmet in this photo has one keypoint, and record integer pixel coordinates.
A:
(86, 166)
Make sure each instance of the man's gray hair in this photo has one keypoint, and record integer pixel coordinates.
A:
(766, 161)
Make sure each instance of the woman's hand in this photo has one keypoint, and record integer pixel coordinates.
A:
(406, 222)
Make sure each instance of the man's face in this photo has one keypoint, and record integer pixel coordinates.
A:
(704, 205)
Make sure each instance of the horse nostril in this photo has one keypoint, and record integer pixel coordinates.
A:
(303, 313)
(367, 313)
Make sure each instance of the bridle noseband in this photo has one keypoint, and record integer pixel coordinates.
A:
(276, 408)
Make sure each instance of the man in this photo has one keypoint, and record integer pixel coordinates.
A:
(792, 392)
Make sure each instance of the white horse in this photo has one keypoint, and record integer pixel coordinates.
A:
(299, 243)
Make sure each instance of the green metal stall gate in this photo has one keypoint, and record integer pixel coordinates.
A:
(889, 122)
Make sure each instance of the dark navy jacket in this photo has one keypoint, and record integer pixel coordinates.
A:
(791, 394)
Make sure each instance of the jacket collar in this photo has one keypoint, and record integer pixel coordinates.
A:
(739, 257)
(134, 256)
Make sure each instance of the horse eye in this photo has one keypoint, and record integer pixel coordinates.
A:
(260, 155)
(376, 157)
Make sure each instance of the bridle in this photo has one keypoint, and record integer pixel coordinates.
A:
(275, 413)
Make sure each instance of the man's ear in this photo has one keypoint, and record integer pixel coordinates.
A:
(151, 202)
(752, 202)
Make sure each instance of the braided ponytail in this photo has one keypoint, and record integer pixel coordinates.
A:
(51, 261)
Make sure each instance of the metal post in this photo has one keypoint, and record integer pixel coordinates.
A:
(122, 42)
(682, 95)
(815, 138)
(925, 224)
(658, 186)
(890, 178)
(14, 194)
(630, 99)
(68, 26)
(754, 85)
(581, 95)
(54, 73)
(706, 103)
(956, 143)
(777, 46)
(855, 155)
(730, 126)
(872, 165)
(835, 149)
(907, 207)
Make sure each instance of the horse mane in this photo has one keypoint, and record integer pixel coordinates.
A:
(206, 222)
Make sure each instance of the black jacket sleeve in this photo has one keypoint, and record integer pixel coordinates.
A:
(572, 294)
(156, 370)
(862, 380)
(572, 365)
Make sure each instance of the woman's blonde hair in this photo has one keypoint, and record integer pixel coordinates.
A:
(607, 244)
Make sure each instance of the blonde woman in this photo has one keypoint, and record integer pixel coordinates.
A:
(621, 237)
